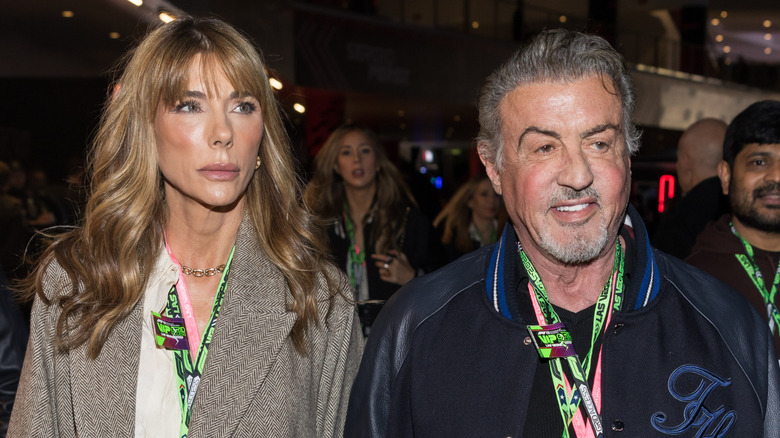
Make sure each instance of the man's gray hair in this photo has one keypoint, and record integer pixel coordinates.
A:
(556, 55)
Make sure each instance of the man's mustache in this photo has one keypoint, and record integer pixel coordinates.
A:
(770, 188)
(567, 194)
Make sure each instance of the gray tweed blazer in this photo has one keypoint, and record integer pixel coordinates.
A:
(255, 383)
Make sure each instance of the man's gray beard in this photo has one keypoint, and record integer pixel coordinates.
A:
(579, 250)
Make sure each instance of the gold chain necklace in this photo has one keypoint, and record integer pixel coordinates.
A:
(186, 270)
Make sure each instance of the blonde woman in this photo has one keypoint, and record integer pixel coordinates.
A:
(197, 298)
(377, 234)
(471, 219)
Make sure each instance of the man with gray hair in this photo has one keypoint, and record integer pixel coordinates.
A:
(571, 324)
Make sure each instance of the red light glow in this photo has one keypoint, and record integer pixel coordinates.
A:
(665, 190)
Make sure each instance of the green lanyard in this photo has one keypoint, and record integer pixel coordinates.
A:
(357, 258)
(750, 266)
(568, 403)
(188, 374)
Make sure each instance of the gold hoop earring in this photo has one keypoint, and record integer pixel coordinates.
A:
(257, 164)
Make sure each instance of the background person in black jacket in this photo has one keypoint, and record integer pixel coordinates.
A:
(698, 153)
(378, 236)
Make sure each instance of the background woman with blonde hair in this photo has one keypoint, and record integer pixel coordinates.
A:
(196, 298)
(377, 234)
(471, 219)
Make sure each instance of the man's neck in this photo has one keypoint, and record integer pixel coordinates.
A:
(573, 287)
(766, 240)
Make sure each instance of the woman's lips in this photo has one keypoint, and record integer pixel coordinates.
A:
(220, 172)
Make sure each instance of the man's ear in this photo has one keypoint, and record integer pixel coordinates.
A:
(490, 167)
(724, 173)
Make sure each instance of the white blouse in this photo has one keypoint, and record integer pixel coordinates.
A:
(157, 405)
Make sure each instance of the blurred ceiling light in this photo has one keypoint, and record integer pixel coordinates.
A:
(67, 14)
(114, 35)
(136, 2)
(299, 108)
(767, 23)
(768, 50)
(402, 126)
(401, 113)
(715, 22)
(726, 49)
(275, 83)
(727, 61)
(767, 36)
(724, 14)
(456, 118)
(562, 18)
(166, 17)
(719, 38)
(475, 24)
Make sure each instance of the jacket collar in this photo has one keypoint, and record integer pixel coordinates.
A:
(643, 280)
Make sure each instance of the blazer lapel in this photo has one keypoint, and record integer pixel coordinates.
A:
(252, 328)
(104, 390)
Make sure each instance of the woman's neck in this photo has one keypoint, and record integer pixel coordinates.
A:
(359, 202)
(201, 238)
(485, 226)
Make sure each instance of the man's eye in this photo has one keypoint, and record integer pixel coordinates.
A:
(546, 148)
(600, 145)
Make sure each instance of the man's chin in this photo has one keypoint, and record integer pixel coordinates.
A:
(575, 252)
(763, 222)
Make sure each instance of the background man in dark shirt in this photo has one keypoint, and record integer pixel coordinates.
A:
(743, 248)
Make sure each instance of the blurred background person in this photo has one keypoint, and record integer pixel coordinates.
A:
(14, 231)
(198, 289)
(471, 219)
(13, 340)
(699, 151)
(13, 326)
(377, 234)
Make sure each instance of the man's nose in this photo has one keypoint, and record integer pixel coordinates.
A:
(575, 170)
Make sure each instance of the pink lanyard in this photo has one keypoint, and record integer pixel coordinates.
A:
(582, 427)
(187, 312)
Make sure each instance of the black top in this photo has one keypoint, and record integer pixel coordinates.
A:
(418, 239)
(679, 226)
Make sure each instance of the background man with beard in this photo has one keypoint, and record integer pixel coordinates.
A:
(571, 324)
(743, 248)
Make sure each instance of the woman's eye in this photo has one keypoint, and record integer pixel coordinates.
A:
(189, 106)
(246, 107)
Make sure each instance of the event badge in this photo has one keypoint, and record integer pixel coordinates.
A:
(552, 341)
(169, 333)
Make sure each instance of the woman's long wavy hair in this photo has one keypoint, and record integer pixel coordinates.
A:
(326, 196)
(122, 232)
(456, 216)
